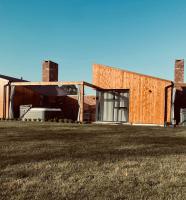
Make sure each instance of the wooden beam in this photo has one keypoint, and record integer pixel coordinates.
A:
(4, 101)
(92, 86)
(7, 99)
(56, 83)
(46, 83)
(180, 84)
(81, 103)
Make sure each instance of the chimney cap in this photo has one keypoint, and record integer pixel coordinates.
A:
(177, 60)
(50, 61)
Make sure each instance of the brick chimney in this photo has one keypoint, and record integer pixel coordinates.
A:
(179, 71)
(50, 71)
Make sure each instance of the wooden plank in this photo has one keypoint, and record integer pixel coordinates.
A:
(81, 103)
(92, 86)
(1, 98)
(46, 83)
(7, 99)
(129, 72)
(24, 96)
(55, 83)
(3, 101)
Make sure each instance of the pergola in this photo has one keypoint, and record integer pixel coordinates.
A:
(79, 84)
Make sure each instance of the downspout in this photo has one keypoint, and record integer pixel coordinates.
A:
(172, 106)
(165, 102)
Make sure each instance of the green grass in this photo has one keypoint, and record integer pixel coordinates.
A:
(52, 161)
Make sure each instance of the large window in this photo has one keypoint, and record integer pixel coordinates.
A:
(112, 106)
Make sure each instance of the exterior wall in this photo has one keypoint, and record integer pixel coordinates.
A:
(90, 108)
(70, 107)
(25, 96)
(1, 98)
(180, 102)
(147, 94)
(3, 82)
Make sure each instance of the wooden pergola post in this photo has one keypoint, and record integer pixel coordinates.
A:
(7, 101)
(82, 102)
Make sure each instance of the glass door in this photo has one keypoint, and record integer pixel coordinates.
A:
(112, 106)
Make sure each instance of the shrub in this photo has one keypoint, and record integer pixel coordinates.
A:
(61, 120)
(65, 120)
(70, 121)
(56, 120)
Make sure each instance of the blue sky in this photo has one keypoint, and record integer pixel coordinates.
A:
(145, 36)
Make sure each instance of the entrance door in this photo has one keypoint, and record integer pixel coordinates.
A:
(112, 106)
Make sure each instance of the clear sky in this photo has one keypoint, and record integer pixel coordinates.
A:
(145, 36)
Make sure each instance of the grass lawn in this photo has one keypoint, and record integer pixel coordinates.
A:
(52, 161)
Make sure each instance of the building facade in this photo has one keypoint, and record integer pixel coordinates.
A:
(132, 97)
(121, 96)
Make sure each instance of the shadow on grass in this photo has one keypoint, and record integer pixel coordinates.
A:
(90, 146)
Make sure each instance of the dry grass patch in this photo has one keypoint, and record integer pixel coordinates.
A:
(57, 161)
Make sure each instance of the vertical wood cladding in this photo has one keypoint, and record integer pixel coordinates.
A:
(147, 94)
(179, 71)
(50, 71)
(25, 96)
(1, 98)
(2, 84)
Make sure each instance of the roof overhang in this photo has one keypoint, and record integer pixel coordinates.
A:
(83, 83)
